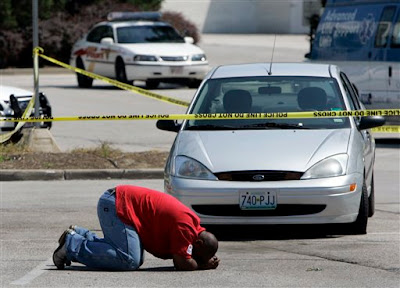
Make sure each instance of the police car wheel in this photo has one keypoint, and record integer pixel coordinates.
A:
(120, 71)
(152, 84)
(83, 81)
(194, 83)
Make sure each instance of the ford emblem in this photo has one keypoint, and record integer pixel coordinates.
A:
(258, 177)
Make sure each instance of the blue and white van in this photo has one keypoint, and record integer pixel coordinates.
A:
(362, 37)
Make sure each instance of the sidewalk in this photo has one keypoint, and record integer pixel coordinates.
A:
(80, 174)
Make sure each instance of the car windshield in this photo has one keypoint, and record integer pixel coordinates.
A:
(148, 34)
(268, 95)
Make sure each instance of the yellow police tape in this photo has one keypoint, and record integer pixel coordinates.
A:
(221, 116)
(28, 110)
(216, 116)
(144, 92)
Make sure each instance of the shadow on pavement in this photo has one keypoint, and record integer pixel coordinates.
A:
(388, 143)
(271, 232)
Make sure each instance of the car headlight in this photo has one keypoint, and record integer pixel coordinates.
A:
(145, 58)
(199, 57)
(329, 167)
(186, 167)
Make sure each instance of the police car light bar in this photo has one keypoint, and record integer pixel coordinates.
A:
(126, 16)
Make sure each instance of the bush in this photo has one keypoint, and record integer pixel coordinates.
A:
(59, 32)
(184, 26)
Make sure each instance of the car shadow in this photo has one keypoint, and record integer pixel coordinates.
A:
(163, 86)
(393, 143)
(273, 232)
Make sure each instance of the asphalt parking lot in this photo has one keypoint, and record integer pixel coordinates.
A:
(34, 213)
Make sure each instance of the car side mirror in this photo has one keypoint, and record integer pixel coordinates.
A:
(189, 40)
(107, 41)
(371, 122)
(168, 125)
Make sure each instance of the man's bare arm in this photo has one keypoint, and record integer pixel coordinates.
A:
(181, 263)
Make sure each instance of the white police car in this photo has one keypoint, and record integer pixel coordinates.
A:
(14, 101)
(137, 46)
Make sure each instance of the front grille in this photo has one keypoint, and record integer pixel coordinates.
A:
(174, 58)
(281, 210)
(259, 175)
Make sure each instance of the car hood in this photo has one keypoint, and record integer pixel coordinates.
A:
(163, 49)
(6, 91)
(287, 150)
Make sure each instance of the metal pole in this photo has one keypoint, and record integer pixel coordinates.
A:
(35, 13)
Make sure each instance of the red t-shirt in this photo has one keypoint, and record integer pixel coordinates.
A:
(165, 225)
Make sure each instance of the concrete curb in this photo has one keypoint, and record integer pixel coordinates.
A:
(80, 174)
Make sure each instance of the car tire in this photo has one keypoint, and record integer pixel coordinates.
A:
(194, 83)
(152, 84)
(371, 199)
(120, 71)
(359, 227)
(83, 81)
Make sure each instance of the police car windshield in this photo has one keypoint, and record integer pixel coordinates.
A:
(148, 34)
(266, 97)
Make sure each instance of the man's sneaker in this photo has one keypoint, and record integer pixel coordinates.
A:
(60, 254)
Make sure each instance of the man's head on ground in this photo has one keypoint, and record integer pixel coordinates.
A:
(205, 247)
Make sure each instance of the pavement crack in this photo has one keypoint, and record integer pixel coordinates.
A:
(385, 211)
(392, 270)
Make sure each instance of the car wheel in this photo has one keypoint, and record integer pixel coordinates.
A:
(194, 83)
(152, 84)
(120, 71)
(83, 81)
(371, 199)
(359, 227)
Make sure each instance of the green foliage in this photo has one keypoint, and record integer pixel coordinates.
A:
(7, 19)
(145, 5)
(62, 23)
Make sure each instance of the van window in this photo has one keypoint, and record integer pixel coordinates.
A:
(396, 34)
(382, 33)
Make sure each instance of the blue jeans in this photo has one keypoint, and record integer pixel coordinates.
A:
(120, 249)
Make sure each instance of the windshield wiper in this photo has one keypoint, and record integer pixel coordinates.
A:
(274, 125)
(211, 127)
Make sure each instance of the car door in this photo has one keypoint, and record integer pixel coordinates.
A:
(393, 58)
(97, 57)
(365, 137)
(383, 70)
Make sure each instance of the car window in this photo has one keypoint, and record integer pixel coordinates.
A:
(99, 33)
(382, 34)
(148, 34)
(271, 94)
(351, 94)
(396, 33)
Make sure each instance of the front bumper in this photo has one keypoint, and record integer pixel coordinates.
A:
(176, 71)
(315, 201)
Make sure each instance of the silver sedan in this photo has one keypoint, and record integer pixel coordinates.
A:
(275, 171)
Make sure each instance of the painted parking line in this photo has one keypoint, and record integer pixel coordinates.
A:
(33, 274)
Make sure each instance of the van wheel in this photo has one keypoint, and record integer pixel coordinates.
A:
(83, 81)
(371, 199)
(120, 71)
(359, 227)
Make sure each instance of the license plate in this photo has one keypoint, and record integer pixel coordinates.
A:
(176, 69)
(265, 200)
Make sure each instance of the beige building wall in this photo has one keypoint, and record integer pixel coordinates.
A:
(247, 16)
